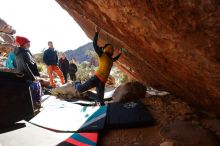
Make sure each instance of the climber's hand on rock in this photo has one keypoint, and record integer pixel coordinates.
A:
(97, 29)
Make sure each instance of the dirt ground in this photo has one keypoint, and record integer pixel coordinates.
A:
(177, 124)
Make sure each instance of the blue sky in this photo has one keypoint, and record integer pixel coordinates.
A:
(42, 21)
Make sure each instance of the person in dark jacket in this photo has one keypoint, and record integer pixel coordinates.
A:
(25, 64)
(64, 66)
(72, 70)
(105, 61)
(50, 58)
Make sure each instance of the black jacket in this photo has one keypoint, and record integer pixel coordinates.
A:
(72, 68)
(50, 57)
(64, 65)
(25, 63)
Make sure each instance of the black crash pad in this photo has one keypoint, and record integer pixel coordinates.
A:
(129, 114)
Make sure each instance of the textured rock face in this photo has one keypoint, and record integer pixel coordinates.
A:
(170, 45)
(7, 40)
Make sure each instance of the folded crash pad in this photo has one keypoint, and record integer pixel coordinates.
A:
(68, 117)
(81, 139)
(15, 102)
(129, 114)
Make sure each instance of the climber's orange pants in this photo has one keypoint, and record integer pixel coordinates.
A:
(54, 68)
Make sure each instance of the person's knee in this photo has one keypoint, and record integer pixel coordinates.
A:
(78, 86)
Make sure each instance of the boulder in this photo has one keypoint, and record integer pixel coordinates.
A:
(170, 45)
(129, 91)
(7, 41)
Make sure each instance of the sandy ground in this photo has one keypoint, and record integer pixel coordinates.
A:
(177, 124)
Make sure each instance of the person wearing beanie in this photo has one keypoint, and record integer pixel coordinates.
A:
(21, 41)
(50, 58)
(26, 64)
(105, 60)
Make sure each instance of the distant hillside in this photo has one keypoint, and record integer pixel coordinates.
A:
(80, 53)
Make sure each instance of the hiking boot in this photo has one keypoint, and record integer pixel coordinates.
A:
(37, 105)
(99, 103)
(102, 103)
(47, 92)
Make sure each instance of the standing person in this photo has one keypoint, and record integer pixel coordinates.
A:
(26, 64)
(105, 61)
(72, 70)
(64, 66)
(50, 58)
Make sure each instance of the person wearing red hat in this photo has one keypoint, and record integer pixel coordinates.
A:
(50, 58)
(22, 41)
(25, 64)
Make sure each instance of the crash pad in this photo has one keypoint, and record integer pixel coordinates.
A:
(64, 116)
(95, 122)
(128, 114)
(81, 139)
(26, 134)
